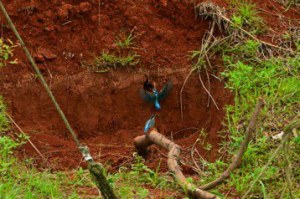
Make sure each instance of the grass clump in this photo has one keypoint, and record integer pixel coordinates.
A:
(122, 57)
(246, 16)
(106, 60)
(124, 41)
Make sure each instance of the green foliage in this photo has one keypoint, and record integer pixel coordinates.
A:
(19, 181)
(276, 80)
(3, 119)
(247, 15)
(121, 57)
(6, 52)
(104, 62)
(133, 181)
(237, 21)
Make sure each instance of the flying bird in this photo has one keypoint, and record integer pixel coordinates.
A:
(153, 96)
(150, 123)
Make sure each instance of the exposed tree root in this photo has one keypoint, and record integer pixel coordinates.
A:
(143, 142)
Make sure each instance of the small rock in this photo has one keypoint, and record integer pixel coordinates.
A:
(85, 7)
(39, 58)
(48, 13)
(64, 10)
(169, 32)
(95, 18)
(47, 54)
(164, 2)
(145, 44)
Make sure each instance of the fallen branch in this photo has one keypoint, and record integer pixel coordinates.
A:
(238, 158)
(143, 142)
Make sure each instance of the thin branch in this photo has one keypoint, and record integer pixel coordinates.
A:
(238, 158)
(208, 78)
(288, 167)
(99, 12)
(194, 161)
(30, 142)
(182, 88)
(203, 50)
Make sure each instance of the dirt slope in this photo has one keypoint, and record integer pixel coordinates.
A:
(105, 109)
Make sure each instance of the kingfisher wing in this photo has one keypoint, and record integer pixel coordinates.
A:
(165, 91)
(147, 96)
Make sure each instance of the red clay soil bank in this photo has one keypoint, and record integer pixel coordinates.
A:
(105, 109)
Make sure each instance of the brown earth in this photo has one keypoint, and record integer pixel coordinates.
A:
(106, 110)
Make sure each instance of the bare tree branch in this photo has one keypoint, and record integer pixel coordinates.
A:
(142, 142)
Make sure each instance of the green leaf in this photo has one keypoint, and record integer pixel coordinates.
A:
(6, 55)
(263, 189)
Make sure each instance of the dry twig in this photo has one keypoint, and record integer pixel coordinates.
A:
(30, 142)
(207, 91)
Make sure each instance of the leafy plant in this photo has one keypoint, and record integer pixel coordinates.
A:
(249, 15)
(124, 42)
(6, 52)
